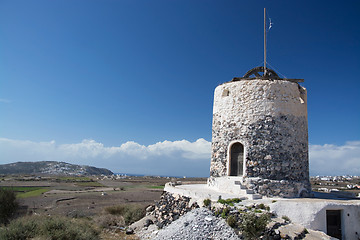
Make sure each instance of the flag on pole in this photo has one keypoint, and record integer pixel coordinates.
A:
(270, 24)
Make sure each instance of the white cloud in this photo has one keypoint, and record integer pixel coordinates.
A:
(329, 159)
(163, 158)
(88, 148)
(3, 100)
(175, 158)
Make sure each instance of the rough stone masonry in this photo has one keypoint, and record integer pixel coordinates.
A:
(260, 133)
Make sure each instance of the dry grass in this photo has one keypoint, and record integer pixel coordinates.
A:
(109, 221)
(130, 212)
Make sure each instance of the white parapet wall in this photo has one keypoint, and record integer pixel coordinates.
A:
(198, 191)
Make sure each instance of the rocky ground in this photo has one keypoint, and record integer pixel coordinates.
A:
(177, 217)
(68, 199)
(200, 223)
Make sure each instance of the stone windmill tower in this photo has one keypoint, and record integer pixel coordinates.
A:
(260, 135)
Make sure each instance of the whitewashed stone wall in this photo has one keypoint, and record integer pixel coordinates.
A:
(269, 117)
(311, 213)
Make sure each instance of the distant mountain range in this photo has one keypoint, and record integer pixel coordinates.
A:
(52, 168)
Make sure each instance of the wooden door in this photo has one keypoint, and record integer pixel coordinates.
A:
(236, 159)
(333, 223)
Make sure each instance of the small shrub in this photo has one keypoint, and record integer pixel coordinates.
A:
(108, 221)
(22, 228)
(130, 212)
(242, 211)
(257, 211)
(274, 201)
(207, 202)
(217, 212)
(261, 206)
(115, 210)
(236, 200)
(229, 201)
(286, 218)
(50, 228)
(231, 221)
(225, 212)
(8, 205)
(253, 226)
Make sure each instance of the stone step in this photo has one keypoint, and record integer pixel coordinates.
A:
(237, 179)
(241, 185)
(250, 191)
(239, 191)
(247, 193)
(255, 196)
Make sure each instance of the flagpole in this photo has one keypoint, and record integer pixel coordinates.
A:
(264, 41)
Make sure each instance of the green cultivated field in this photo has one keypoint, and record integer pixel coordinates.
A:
(24, 192)
(74, 179)
(89, 184)
(156, 187)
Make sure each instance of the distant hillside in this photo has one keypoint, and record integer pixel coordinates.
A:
(51, 167)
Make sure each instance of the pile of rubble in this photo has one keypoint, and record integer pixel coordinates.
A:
(200, 223)
(169, 208)
(213, 221)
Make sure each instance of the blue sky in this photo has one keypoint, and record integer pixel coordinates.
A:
(89, 74)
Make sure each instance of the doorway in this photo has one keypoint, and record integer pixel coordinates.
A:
(333, 223)
(236, 159)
